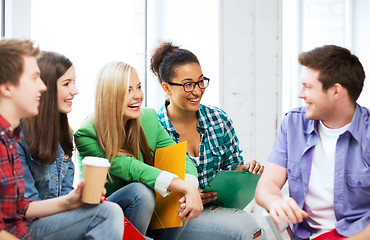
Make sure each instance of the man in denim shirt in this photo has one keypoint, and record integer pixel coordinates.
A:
(323, 150)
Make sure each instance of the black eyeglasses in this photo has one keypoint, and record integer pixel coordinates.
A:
(190, 86)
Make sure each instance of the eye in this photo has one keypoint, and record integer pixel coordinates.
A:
(189, 84)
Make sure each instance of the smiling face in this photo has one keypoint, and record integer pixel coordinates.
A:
(28, 91)
(186, 101)
(318, 102)
(134, 98)
(66, 90)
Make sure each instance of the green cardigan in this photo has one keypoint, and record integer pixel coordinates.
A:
(126, 169)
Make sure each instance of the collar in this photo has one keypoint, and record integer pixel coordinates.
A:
(164, 120)
(201, 116)
(7, 129)
(360, 117)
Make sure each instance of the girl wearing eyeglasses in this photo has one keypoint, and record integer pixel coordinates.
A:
(211, 141)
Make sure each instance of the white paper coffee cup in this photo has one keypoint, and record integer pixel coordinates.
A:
(95, 171)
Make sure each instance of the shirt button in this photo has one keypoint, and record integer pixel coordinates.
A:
(359, 183)
(289, 170)
(66, 156)
(366, 118)
(2, 133)
(11, 147)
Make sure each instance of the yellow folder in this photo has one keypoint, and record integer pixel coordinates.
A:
(171, 159)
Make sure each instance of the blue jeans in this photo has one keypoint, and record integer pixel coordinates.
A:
(102, 221)
(137, 202)
(222, 223)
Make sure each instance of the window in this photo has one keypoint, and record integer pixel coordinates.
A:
(95, 32)
(312, 23)
(91, 34)
(2, 18)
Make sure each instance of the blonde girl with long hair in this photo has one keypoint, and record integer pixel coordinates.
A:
(128, 135)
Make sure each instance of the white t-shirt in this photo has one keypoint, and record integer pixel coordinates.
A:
(319, 200)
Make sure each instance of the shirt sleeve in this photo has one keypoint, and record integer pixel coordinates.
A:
(278, 153)
(67, 184)
(192, 179)
(29, 182)
(22, 206)
(232, 155)
(127, 168)
(163, 181)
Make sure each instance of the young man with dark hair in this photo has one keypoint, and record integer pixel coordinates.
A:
(64, 217)
(323, 150)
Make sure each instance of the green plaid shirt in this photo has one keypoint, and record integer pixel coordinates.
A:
(219, 145)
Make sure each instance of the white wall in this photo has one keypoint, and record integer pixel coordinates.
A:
(193, 25)
(250, 66)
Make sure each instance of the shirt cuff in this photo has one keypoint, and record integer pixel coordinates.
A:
(163, 181)
(192, 179)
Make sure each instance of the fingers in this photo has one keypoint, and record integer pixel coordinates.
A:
(103, 194)
(287, 211)
(192, 214)
(207, 197)
(255, 167)
(260, 171)
(181, 208)
(182, 200)
(193, 205)
(252, 166)
(80, 186)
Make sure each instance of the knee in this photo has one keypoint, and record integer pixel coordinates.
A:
(112, 210)
(145, 196)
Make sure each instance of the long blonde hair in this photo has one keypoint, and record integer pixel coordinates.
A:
(115, 137)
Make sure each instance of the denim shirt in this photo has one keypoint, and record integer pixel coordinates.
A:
(43, 181)
(293, 149)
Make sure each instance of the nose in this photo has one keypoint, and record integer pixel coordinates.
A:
(197, 90)
(42, 85)
(74, 90)
(137, 94)
(301, 93)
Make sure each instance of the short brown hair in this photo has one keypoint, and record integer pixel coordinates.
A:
(336, 65)
(12, 52)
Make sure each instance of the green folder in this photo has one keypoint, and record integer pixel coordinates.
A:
(234, 189)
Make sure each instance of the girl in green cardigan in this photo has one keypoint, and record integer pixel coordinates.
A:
(128, 136)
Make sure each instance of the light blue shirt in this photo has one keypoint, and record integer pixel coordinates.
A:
(43, 181)
(293, 149)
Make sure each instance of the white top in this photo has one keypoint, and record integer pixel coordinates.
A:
(319, 200)
(195, 159)
(165, 178)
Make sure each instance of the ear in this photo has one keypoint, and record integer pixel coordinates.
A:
(6, 89)
(166, 89)
(337, 90)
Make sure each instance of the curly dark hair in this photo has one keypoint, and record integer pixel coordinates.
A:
(167, 57)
